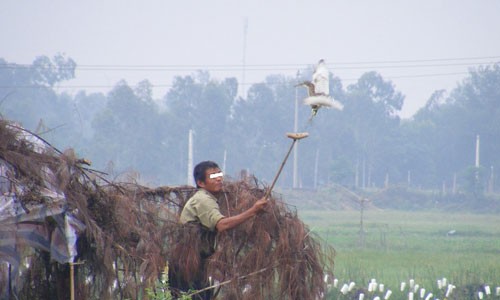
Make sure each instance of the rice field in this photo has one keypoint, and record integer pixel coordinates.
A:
(410, 255)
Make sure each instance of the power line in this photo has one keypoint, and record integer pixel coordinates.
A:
(247, 83)
(238, 68)
(426, 60)
(415, 63)
(394, 64)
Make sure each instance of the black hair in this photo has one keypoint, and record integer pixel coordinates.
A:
(201, 168)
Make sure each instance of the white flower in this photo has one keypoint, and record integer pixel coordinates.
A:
(351, 285)
(480, 295)
(361, 296)
(335, 282)
(429, 296)
(381, 287)
(387, 294)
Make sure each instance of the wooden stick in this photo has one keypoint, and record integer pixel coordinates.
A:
(294, 137)
(72, 280)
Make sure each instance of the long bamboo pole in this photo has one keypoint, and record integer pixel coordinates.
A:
(295, 137)
(72, 280)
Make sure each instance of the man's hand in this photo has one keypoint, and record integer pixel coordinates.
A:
(231, 222)
(260, 205)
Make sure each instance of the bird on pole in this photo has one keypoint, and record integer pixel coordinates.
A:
(318, 90)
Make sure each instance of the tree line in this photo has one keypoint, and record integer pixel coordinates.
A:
(365, 145)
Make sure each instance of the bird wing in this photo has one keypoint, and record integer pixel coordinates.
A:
(310, 87)
(320, 79)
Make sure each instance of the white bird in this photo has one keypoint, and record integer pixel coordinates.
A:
(318, 91)
(451, 232)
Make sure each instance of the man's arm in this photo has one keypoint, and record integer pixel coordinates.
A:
(231, 222)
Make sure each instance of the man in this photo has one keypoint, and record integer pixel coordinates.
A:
(201, 215)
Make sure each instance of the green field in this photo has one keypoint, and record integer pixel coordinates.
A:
(400, 245)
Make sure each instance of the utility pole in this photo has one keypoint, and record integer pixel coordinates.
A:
(224, 161)
(356, 174)
(477, 163)
(454, 188)
(477, 151)
(296, 129)
(491, 185)
(316, 164)
(363, 178)
(244, 60)
(190, 180)
(361, 225)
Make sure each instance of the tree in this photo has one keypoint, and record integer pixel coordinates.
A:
(370, 110)
(127, 133)
(256, 139)
(471, 109)
(28, 97)
(48, 72)
(202, 105)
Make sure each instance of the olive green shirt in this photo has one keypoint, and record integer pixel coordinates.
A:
(202, 207)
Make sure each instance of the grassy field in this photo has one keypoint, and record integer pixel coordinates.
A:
(423, 246)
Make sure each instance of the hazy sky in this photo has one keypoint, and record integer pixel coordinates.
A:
(421, 45)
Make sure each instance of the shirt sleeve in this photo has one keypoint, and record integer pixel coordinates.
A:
(202, 208)
(209, 213)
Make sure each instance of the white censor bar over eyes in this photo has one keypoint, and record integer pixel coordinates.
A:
(216, 175)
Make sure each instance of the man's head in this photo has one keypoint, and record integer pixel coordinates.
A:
(208, 175)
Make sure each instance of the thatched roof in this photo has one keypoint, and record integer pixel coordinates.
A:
(118, 236)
